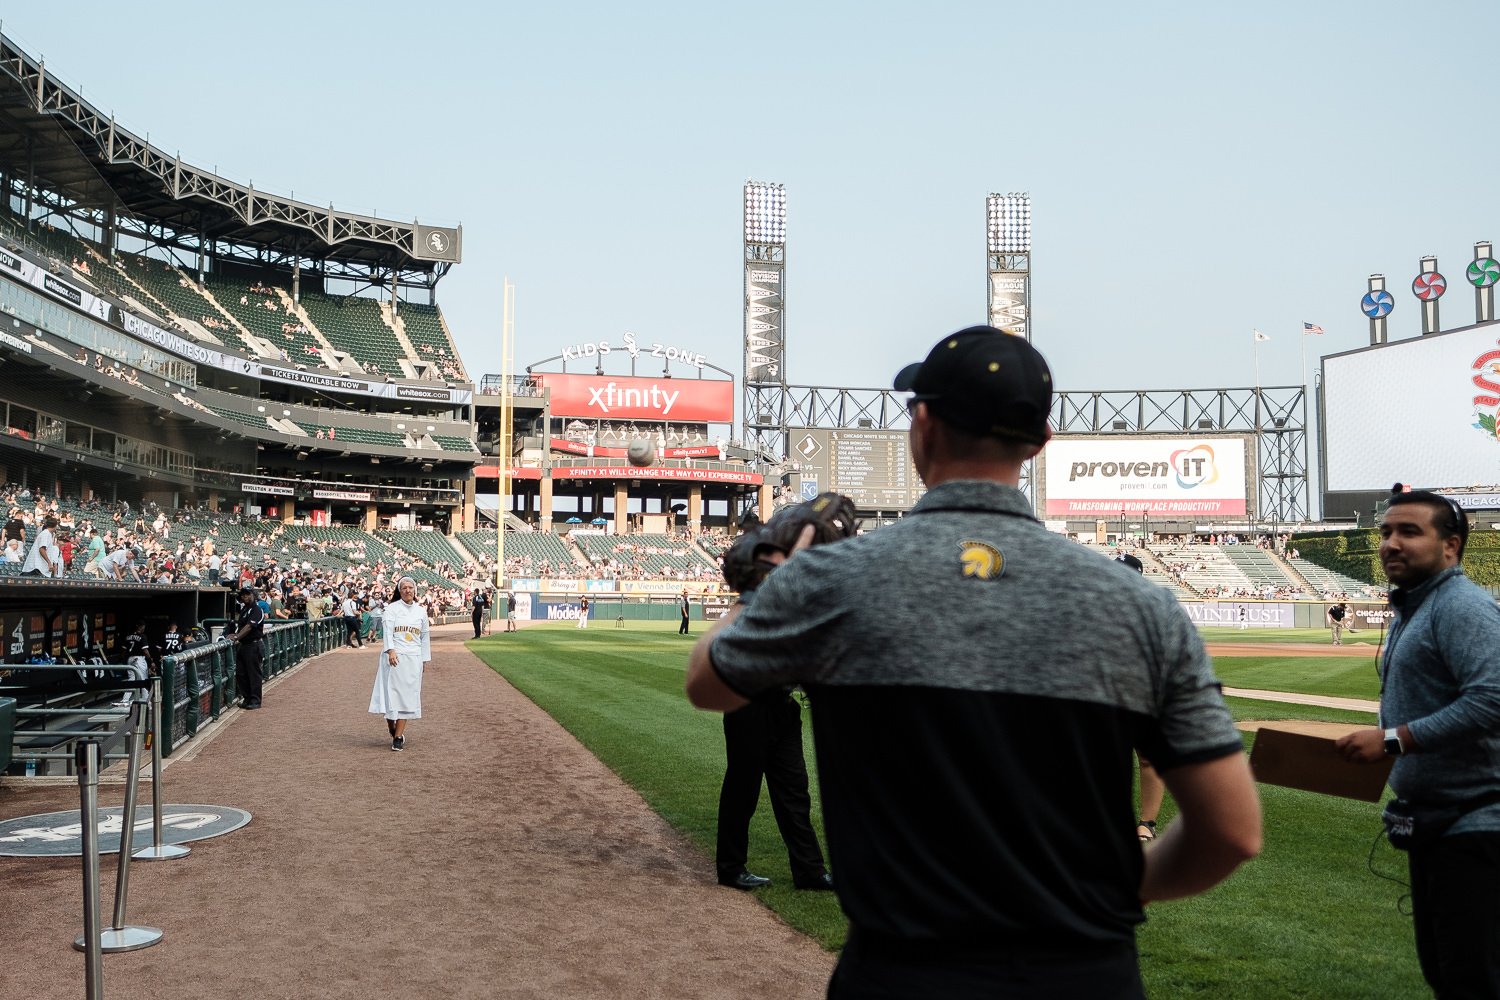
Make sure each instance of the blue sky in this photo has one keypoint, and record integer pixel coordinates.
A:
(1196, 170)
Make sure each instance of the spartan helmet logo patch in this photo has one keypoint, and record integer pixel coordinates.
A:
(981, 560)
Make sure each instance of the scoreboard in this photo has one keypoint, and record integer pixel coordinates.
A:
(871, 467)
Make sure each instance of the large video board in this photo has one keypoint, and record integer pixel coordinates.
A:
(1188, 477)
(871, 467)
(1418, 411)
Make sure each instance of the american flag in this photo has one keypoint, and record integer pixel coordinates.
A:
(1311, 328)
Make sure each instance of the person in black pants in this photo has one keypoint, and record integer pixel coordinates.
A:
(764, 739)
(248, 655)
(480, 602)
(683, 606)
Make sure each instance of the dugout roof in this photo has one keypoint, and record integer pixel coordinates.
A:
(54, 140)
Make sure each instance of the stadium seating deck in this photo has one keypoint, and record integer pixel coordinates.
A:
(429, 546)
(354, 325)
(454, 443)
(534, 550)
(1205, 568)
(1261, 568)
(1333, 584)
(479, 544)
(646, 556)
(424, 328)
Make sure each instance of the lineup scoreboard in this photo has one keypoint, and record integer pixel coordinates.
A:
(871, 467)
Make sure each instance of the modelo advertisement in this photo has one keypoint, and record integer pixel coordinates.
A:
(657, 400)
(1099, 477)
(1371, 440)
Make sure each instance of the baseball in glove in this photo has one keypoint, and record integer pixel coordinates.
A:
(745, 562)
(830, 514)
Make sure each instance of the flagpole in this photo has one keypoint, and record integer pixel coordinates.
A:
(1256, 341)
(1304, 364)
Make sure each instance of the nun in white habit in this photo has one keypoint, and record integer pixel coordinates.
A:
(398, 683)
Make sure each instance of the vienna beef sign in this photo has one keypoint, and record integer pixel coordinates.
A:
(658, 400)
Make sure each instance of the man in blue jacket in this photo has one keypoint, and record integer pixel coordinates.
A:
(1440, 719)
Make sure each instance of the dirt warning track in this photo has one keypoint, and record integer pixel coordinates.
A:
(494, 857)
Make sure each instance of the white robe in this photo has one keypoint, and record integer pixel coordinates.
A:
(398, 689)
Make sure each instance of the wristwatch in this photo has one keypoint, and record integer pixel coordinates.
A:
(1393, 747)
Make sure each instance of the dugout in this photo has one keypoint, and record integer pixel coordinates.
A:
(83, 618)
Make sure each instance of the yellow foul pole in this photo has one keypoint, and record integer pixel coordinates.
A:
(507, 422)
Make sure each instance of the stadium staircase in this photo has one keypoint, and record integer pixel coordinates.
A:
(1157, 572)
(398, 328)
(426, 333)
(1260, 567)
(353, 325)
(1296, 575)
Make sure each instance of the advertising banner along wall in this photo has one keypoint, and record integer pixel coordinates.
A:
(1200, 477)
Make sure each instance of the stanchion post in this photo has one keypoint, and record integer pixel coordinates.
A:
(119, 936)
(86, 759)
(158, 851)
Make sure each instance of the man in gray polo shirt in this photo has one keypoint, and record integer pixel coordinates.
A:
(978, 685)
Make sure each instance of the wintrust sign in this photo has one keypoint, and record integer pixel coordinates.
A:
(664, 399)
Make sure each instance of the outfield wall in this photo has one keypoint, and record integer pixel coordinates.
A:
(563, 605)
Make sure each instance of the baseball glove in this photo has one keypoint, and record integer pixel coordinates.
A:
(830, 514)
(745, 565)
(743, 571)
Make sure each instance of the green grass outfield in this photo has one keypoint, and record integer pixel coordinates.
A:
(1305, 919)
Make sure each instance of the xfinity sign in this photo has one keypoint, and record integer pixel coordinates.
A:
(601, 397)
(655, 399)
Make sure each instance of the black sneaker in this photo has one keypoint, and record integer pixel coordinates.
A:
(399, 743)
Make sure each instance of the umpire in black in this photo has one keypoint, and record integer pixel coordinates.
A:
(248, 654)
(764, 739)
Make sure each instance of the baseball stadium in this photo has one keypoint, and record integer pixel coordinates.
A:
(209, 390)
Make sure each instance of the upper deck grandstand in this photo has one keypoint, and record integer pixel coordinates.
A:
(182, 339)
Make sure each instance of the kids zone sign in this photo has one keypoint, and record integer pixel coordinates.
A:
(1099, 477)
(658, 400)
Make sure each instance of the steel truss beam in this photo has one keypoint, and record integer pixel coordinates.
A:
(1275, 415)
(116, 145)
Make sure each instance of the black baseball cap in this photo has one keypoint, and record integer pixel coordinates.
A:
(1131, 561)
(986, 381)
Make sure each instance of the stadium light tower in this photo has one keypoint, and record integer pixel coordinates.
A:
(1008, 240)
(764, 396)
(1009, 244)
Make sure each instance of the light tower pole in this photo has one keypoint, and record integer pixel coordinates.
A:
(764, 399)
(1008, 232)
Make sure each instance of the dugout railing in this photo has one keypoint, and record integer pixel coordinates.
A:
(199, 686)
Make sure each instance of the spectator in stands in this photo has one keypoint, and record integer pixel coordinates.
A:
(121, 563)
(44, 559)
(15, 525)
(94, 565)
(14, 553)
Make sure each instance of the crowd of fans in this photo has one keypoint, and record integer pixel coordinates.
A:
(108, 541)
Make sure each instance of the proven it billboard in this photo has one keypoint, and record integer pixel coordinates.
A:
(1097, 477)
(606, 397)
(1420, 411)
